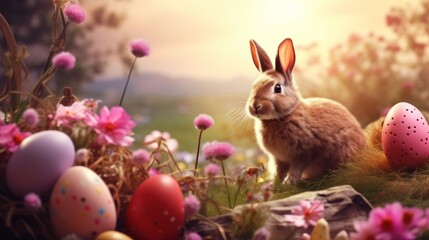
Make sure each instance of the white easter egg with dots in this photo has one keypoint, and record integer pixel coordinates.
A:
(81, 204)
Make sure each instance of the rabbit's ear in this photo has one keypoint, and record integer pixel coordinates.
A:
(260, 57)
(285, 59)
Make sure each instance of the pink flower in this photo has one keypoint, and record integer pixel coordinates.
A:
(354, 38)
(218, 150)
(75, 13)
(203, 121)
(67, 115)
(30, 117)
(305, 236)
(191, 205)
(408, 85)
(419, 48)
(426, 225)
(393, 47)
(11, 137)
(153, 172)
(140, 157)
(112, 126)
(152, 140)
(391, 222)
(91, 104)
(307, 213)
(32, 201)
(192, 236)
(211, 170)
(139, 47)
(64, 60)
(364, 230)
(393, 20)
(82, 155)
(261, 233)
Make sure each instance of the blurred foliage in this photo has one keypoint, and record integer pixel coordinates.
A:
(31, 23)
(370, 73)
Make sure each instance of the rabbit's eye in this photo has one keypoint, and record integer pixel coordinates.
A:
(277, 88)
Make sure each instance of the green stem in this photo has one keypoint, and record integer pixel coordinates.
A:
(236, 195)
(128, 80)
(198, 152)
(291, 234)
(226, 184)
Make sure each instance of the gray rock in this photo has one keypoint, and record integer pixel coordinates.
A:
(343, 206)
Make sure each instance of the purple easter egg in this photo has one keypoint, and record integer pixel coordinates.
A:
(40, 160)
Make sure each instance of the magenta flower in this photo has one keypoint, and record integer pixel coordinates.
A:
(153, 172)
(30, 117)
(191, 205)
(11, 137)
(67, 115)
(307, 213)
(139, 47)
(395, 221)
(151, 140)
(218, 150)
(203, 121)
(391, 222)
(211, 170)
(64, 60)
(32, 201)
(261, 233)
(140, 157)
(112, 126)
(192, 236)
(75, 13)
(82, 155)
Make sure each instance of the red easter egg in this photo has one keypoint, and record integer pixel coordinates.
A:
(156, 210)
(405, 137)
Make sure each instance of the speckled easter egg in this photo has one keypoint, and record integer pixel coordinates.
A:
(405, 137)
(81, 204)
(39, 161)
(156, 210)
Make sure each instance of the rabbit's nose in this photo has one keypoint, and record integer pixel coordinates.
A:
(256, 106)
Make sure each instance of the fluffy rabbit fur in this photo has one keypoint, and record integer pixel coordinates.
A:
(304, 137)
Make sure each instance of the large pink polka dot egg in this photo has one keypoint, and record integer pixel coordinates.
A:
(81, 205)
(405, 137)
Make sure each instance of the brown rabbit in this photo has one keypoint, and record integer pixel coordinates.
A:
(304, 137)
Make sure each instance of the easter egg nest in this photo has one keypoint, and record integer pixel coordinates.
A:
(112, 165)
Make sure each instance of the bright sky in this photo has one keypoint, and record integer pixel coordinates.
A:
(208, 39)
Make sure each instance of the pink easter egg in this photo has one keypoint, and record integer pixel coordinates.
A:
(81, 204)
(405, 137)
